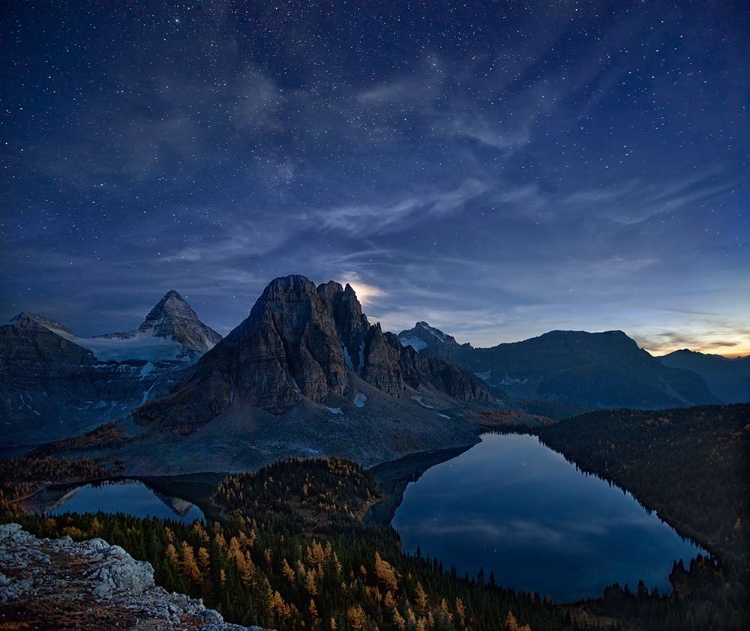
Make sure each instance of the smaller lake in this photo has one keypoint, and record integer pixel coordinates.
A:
(514, 507)
(133, 498)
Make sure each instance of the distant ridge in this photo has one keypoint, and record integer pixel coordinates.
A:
(728, 379)
(595, 370)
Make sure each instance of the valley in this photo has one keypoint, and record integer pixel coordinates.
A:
(299, 436)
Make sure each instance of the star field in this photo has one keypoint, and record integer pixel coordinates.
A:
(498, 169)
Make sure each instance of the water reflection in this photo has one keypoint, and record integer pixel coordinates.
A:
(133, 498)
(514, 507)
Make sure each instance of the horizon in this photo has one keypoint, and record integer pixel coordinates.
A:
(494, 169)
(134, 324)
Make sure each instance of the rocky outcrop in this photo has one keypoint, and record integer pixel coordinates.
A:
(351, 324)
(287, 348)
(90, 585)
(458, 384)
(382, 366)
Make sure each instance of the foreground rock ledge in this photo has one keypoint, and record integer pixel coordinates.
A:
(61, 584)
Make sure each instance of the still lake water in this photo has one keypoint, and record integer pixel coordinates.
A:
(515, 507)
(133, 498)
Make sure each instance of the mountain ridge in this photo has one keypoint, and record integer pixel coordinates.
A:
(54, 384)
(728, 378)
(304, 341)
(598, 370)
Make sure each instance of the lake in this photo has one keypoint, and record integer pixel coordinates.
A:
(514, 507)
(131, 497)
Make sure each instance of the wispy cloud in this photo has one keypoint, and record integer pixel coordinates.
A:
(400, 214)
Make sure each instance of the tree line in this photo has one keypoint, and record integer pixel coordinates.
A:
(691, 465)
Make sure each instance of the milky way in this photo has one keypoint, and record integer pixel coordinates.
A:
(497, 169)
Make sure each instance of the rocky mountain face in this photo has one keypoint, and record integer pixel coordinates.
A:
(54, 384)
(303, 342)
(89, 585)
(597, 370)
(727, 379)
(173, 319)
(424, 335)
(29, 337)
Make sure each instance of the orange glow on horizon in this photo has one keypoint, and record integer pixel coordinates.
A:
(730, 352)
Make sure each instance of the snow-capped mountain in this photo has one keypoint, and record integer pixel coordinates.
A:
(424, 335)
(171, 331)
(54, 384)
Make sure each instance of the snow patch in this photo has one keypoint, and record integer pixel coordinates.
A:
(360, 400)
(334, 410)
(140, 345)
(145, 394)
(510, 381)
(422, 403)
(295, 385)
(147, 368)
(444, 416)
(414, 342)
(347, 358)
(484, 376)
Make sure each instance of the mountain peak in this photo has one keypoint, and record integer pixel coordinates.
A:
(173, 318)
(424, 335)
(302, 342)
(171, 302)
(32, 337)
(31, 320)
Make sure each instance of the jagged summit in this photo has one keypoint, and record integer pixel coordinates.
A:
(172, 319)
(424, 335)
(303, 342)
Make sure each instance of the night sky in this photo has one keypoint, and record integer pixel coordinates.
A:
(499, 169)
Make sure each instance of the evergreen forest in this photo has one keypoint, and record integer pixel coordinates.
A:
(293, 549)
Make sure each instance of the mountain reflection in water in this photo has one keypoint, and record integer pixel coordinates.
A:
(131, 497)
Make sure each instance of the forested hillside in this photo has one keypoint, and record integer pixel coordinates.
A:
(691, 465)
(294, 555)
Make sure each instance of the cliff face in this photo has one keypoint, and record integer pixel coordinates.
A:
(289, 346)
(302, 342)
(382, 366)
(91, 585)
